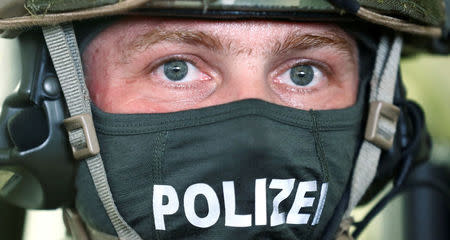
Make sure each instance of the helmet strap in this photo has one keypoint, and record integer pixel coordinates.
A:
(66, 59)
(381, 124)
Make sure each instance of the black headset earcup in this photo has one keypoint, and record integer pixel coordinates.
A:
(34, 145)
(28, 128)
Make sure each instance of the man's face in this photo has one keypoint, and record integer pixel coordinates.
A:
(147, 65)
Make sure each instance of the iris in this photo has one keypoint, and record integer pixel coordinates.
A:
(302, 75)
(176, 70)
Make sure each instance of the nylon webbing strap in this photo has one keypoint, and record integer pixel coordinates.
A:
(382, 89)
(64, 52)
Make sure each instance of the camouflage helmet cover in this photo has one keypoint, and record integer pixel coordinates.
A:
(427, 18)
(425, 11)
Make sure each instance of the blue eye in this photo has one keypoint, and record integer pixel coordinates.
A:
(176, 70)
(302, 75)
(179, 71)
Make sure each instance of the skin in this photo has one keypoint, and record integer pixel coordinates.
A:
(229, 61)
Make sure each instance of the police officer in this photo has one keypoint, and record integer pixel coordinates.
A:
(210, 119)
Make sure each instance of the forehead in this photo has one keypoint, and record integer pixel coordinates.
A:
(245, 33)
(135, 25)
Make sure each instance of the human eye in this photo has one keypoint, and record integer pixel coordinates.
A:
(307, 83)
(302, 77)
(175, 74)
(179, 71)
(172, 82)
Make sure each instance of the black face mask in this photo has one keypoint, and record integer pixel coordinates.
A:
(242, 170)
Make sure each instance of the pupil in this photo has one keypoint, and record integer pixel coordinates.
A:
(175, 70)
(302, 75)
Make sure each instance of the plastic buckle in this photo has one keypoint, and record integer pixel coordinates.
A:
(382, 124)
(83, 121)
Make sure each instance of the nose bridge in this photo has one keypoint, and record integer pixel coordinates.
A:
(248, 81)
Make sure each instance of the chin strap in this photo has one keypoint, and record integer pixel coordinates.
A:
(65, 55)
(381, 125)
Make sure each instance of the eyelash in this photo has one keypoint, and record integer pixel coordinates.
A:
(155, 65)
(195, 61)
(295, 62)
(324, 68)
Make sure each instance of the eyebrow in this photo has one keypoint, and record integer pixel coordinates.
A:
(301, 41)
(195, 38)
(296, 40)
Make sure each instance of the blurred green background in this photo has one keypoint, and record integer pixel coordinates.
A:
(428, 81)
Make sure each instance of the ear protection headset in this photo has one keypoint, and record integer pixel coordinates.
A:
(36, 164)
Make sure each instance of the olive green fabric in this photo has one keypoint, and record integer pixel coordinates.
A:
(12, 8)
(424, 11)
(47, 6)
